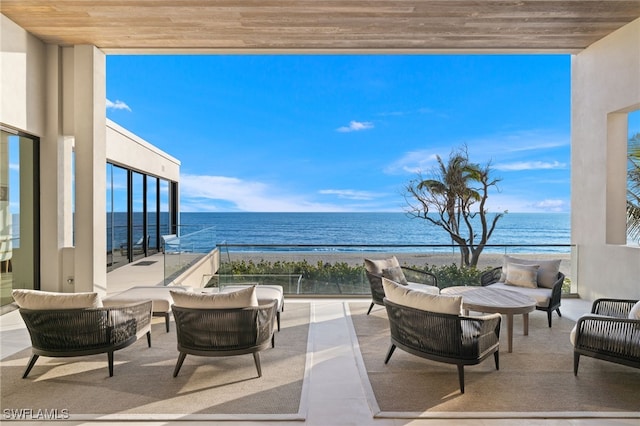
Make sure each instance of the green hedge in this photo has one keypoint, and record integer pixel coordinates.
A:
(347, 278)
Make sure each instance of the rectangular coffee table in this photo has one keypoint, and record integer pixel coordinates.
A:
(489, 300)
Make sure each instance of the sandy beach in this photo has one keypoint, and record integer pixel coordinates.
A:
(408, 259)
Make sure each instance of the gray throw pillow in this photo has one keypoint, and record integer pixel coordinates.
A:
(395, 274)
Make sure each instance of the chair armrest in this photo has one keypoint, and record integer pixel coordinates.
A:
(618, 308)
(480, 325)
(122, 332)
(556, 291)
(619, 336)
(267, 321)
(491, 276)
(480, 334)
(140, 312)
(375, 282)
(424, 277)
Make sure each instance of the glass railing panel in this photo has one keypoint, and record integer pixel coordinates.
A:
(339, 269)
(181, 251)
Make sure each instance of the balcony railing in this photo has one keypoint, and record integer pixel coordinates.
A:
(184, 250)
(327, 270)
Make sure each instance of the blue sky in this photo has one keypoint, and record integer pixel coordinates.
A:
(317, 133)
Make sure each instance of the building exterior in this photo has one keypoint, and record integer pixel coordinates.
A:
(53, 117)
(53, 96)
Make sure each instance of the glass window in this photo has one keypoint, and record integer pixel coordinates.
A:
(19, 214)
(152, 214)
(165, 221)
(138, 208)
(117, 233)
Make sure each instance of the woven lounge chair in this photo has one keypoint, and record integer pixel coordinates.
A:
(88, 331)
(225, 332)
(611, 333)
(448, 338)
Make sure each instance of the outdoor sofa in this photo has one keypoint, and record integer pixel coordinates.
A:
(538, 279)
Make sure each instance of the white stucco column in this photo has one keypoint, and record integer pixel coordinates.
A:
(605, 87)
(90, 168)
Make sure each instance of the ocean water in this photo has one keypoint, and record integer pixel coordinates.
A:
(380, 229)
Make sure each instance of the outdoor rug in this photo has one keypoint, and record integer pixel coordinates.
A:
(143, 386)
(535, 380)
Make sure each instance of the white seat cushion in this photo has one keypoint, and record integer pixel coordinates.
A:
(541, 295)
(242, 298)
(159, 296)
(404, 295)
(264, 293)
(431, 289)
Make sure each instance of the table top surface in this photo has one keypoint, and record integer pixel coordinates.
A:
(490, 300)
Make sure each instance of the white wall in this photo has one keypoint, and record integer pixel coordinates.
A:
(126, 149)
(605, 86)
(22, 79)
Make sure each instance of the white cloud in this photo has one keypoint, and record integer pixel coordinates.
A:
(117, 105)
(521, 204)
(551, 205)
(349, 194)
(355, 126)
(530, 165)
(412, 162)
(207, 193)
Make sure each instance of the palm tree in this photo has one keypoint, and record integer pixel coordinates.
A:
(633, 188)
(451, 195)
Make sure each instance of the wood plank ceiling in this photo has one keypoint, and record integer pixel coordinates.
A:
(564, 26)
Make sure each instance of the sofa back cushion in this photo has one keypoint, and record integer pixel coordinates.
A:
(44, 300)
(403, 295)
(547, 271)
(243, 298)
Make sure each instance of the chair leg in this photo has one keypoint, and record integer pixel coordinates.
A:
(181, 358)
(549, 312)
(273, 340)
(576, 361)
(496, 357)
(149, 338)
(256, 359)
(370, 307)
(391, 349)
(166, 321)
(110, 361)
(278, 319)
(558, 311)
(32, 362)
(461, 377)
